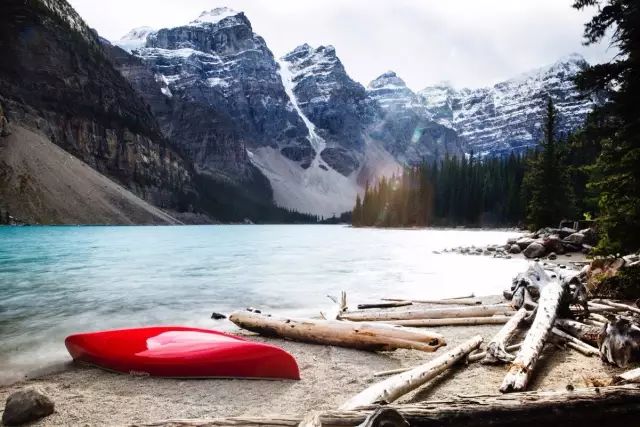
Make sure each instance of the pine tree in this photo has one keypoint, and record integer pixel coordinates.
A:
(616, 173)
(357, 213)
(546, 181)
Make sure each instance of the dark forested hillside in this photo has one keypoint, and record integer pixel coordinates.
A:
(454, 192)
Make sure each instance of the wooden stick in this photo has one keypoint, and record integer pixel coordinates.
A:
(471, 358)
(524, 364)
(601, 308)
(588, 350)
(618, 305)
(594, 323)
(455, 321)
(579, 330)
(384, 305)
(392, 388)
(496, 349)
(450, 301)
(430, 313)
(363, 336)
(585, 407)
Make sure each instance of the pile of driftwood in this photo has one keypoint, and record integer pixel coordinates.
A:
(543, 307)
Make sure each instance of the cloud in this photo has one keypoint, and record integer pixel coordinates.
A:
(470, 43)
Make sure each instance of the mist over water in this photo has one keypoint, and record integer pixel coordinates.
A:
(55, 281)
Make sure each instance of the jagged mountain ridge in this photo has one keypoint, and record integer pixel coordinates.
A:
(308, 127)
(406, 127)
(506, 117)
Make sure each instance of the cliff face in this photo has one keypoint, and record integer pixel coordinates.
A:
(55, 78)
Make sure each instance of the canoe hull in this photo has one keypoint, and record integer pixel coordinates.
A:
(181, 352)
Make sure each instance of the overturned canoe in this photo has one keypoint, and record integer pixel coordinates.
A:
(181, 352)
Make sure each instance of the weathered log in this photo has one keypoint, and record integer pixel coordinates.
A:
(614, 304)
(429, 313)
(598, 317)
(524, 364)
(455, 321)
(579, 345)
(363, 336)
(595, 323)
(384, 305)
(587, 407)
(586, 333)
(496, 349)
(629, 377)
(392, 388)
(449, 301)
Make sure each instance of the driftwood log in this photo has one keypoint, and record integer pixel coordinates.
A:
(497, 348)
(524, 364)
(533, 280)
(454, 321)
(575, 343)
(621, 306)
(629, 377)
(392, 388)
(588, 407)
(363, 336)
(429, 313)
(586, 333)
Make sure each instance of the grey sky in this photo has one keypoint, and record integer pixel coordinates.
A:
(467, 42)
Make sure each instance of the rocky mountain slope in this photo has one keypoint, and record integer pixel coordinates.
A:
(507, 117)
(56, 80)
(406, 126)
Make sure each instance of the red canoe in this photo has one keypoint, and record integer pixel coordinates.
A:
(181, 353)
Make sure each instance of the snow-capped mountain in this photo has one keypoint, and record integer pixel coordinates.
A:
(406, 127)
(303, 123)
(507, 117)
(234, 108)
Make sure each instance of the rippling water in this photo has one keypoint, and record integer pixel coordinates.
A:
(58, 280)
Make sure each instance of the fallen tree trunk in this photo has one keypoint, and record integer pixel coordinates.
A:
(497, 348)
(429, 313)
(392, 388)
(587, 407)
(578, 345)
(524, 364)
(455, 321)
(586, 333)
(602, 308)
(363, 336)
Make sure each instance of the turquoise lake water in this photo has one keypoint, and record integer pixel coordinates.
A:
(59, 280)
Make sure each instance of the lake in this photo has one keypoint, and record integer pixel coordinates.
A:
(58, 280)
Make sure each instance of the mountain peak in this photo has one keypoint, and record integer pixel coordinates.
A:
(387, 80)
(135, 39)
(214, 16)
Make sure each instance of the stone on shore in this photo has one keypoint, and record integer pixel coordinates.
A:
(535, 250)
(26, 406)
(575, 239)
(515, 249)
(524, 242)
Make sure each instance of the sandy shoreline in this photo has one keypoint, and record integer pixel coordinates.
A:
(330, 375)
